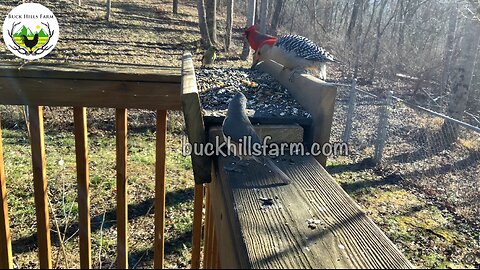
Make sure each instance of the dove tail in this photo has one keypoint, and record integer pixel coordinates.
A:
(277, 170)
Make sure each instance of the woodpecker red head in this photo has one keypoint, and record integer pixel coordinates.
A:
(255, 38)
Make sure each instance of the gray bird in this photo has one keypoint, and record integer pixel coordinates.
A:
(238, 128)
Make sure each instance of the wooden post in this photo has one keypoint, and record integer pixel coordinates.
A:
(197, 226)
(40, 186)
(208, 229)
(160, 189)
(83, 180)
(6, 261)
(122, 189)
(351, 109)
(382, 132)
(192, 112)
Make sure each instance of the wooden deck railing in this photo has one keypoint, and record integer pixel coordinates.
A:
(81, 87)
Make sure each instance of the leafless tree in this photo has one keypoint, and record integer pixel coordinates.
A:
(228, 30)
(462, 76)
(211, 12)
(251, 7)
(202, 24)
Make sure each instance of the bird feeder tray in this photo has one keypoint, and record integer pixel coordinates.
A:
(268, 103)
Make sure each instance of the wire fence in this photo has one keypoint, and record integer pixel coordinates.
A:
(430, 151)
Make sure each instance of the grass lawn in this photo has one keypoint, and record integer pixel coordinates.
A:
(61, 174)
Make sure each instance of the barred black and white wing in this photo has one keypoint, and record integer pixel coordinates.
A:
(304, 48)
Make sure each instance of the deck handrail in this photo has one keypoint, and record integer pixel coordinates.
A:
(122, 88)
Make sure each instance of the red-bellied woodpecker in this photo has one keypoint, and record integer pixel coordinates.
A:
(292, 51)
(255, 38)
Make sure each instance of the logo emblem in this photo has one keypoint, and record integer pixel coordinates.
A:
(30, 31)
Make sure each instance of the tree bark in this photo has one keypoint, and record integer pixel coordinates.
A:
(211, 12)
(276, 16)
(263, 16)
(228, 31)
(452, 26)
(251, 6)
(462, 78)
(353, 19)
(376, 52)
(202, 24)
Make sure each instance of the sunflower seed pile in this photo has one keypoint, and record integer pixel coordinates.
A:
(266, 97)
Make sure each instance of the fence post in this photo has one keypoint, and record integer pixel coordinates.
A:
(351, 109)
(382, 129)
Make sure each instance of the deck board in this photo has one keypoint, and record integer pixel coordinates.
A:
(279, 236)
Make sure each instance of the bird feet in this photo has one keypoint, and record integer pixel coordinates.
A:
(296, 72)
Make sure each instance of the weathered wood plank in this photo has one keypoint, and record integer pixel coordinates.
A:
(233, 252)
(6, 260)
(83, 181)
(208, 230)
(216, 118)
(278, 133)
(280, 237)
(192, 112)
(122, 188)
(160, 190)
(40, 186)
(89, 93)
(315, 95)
(197, 226)
(110, 72)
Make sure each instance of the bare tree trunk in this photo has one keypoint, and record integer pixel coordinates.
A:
(452, 26)
(327, 15)
(228, 31)
(202, 24)
(109, 10)
(462, 78)
(353, 19)
(79, 2)
(175, 6)
(276, 16)
(251, 6)
(376, 51)
(263, 16)
(211, 12)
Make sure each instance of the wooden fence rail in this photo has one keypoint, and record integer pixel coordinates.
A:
(80, 87)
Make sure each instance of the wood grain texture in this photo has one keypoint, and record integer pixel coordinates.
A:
(83, 182)
(160, 190)
(89, 93)
(40, 186)
(278, 133)
(110, 72)
(197, 226)
(122, 188)
(279, 236)
(207, 250)
(315, 95)
(192, 112)
(233, 252)
(6, 260)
